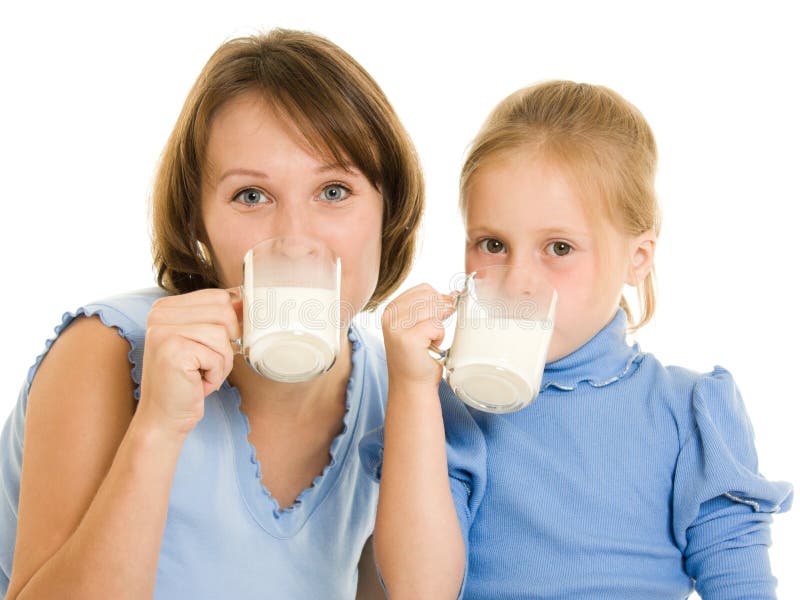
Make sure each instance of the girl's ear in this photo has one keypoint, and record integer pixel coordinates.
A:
(642, 251)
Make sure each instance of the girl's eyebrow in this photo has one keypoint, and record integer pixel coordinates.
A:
(544, 232)
(474, 231)
(563, 231)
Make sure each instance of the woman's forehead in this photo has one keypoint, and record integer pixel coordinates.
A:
(249, 126)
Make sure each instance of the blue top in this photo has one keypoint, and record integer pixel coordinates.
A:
(625, 479)
(225, 535)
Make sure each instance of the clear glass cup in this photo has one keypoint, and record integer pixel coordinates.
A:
(291, 310)
(504, 322)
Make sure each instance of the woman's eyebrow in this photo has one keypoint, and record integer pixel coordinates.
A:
(326, 168)
(248, 172)
(334, 166)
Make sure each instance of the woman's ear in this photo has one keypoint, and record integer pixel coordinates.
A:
(642, 251)
(203, 253)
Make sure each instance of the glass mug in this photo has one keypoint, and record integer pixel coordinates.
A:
(504, 322)
(291, 312)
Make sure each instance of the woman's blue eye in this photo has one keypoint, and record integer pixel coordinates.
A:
(250, 197)
(334, 192)
(559, 248)
(492, 246)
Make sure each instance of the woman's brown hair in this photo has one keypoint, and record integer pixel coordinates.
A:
(338, 108)
(601, 139)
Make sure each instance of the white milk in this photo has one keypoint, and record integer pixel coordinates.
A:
(291, 333)
(496, 364)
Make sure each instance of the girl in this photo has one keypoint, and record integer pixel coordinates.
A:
(143, 459)
(626, 478)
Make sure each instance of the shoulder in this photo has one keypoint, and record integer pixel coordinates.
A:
(102, 330)
(683, 385)
(675, 384)
(369, 377)
(369, 355)
(716, 402)
(370, 341)
(691, 395)
(666, 380)
(674, 393)
(82, 382)
(132, 307)
(85, 353)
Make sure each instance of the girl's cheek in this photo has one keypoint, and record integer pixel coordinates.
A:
(574, 287)
(475, 259)
(471, 260)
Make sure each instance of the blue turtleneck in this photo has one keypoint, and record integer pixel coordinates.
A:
(624, 479)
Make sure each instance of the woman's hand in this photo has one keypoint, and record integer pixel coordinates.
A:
(187, 355)
(411, 322)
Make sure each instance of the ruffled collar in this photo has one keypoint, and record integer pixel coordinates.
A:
(264, 507)
(603, 360)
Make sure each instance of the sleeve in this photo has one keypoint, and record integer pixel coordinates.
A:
(722, 505)
(466, 459)
(110, 317)
(11, 439)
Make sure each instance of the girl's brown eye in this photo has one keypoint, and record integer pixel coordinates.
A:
(559, 248)
(492, 246)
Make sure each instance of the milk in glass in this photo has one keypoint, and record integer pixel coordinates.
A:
(291, 332)
(496, 362)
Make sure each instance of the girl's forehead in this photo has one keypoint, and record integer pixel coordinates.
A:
(519, 191)
(530, 191)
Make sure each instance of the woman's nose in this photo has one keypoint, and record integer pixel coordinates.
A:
(296, 247)
(291, 220)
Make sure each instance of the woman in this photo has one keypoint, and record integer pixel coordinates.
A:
(156, 463)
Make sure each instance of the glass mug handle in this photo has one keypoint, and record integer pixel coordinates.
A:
(438, 354)
(237, 295)
(434, 351)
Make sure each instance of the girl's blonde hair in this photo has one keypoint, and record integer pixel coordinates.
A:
(339, 109)
(602, 141)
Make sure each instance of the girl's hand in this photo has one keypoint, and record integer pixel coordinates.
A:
(411, 322)
(187, 356)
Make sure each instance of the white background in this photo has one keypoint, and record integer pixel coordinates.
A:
(89, 93)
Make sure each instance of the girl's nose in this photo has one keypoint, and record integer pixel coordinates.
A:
(519, 281)
(523, 277)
